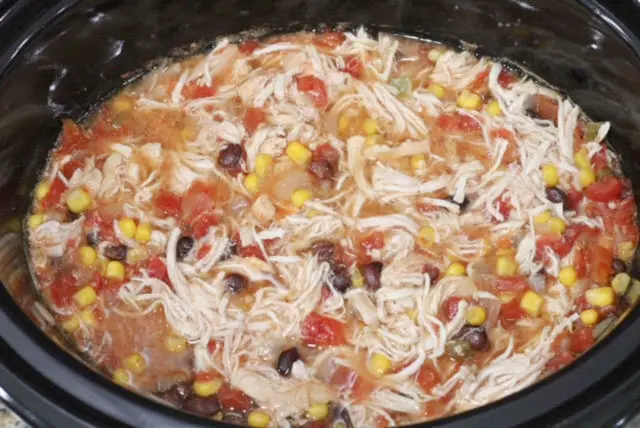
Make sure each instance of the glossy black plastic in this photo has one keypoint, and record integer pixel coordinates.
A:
(60, 58)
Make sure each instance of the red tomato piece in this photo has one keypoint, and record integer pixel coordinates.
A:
(607, 190)
(581, 261)
(450, 307)
(481, 81)
(70, 167)
(546, 108)
(504, 207)
(251, 251)
(248, 46)
(73, 138)
(212, 346)
(202, 251)
(55, 193)
(516, 283)
(234, 399)
(157, 269)
(318, 330)
(346, 379)
(507, 78)
(581, 340)
(328, 153)
(503, 133)
(373, 241)
(559, 361)
(599, 160)
(167, 203)
(63, 289)
(600, 261)
(458, 123)
(511, 311)
(199, 199)
(428, 377)
(353, 66)
(574, 198)
(329, 39)
(200, 226)
(194, 91)
(253, 118)
(313, 87)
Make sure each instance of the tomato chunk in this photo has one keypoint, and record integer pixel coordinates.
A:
(73, 139)
(507, 78)
(546, 108)
(353, 66)
(234, 399)
(450, 307)
(511, 311)
(200, 226)
(63, 289)
(373, 241)
(559, 361)
(253, 118)
(329, 39)
(55, 193)
(194, 91)
(428, 377)
(346, 379)
(458, 122)
(318, 330)
(600, 260)
(248, 46)
(581, 340)
(251, 251)
(167, 203)
(607, 190)
(157, 269)
(313, 87)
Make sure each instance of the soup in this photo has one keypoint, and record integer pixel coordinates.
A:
(328, 229)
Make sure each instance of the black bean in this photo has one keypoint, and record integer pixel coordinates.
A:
(555, 195)
(93, 238)
(322, 169)
(286, 360)
(618, 266)
(463, 205)
(202, 406)
(230, 156)
(476, 336)
(116, 252)
(177, 395)
(184, 245)
(235, 282)
(532, 113)
(324, 250)
(371, 273)
(341, 279)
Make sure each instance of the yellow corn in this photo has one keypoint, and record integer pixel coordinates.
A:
(122, 105)
(263, 164)
(370, 126)
(258, 419)
(557, 225)
(601, 296)
(175, 343)
(434, 54)
(87, 317)
(581, 159)
(550, 175)
(494, 109)
(300, 197)
(589, 316)
(437, 90)
(587, 177)
(78, 201)
(413, 315)
(455, 269)
(42, 191)
(379, 365)
(469, 100)
(71, 324)
(506, 266)
(621, 282)
(114, 270)
(135, 363)
(207, 388)
(626, 250)
(136, 255)
(343, 123)
(375, 139)
(35, 220)
(128, 227)
(298, 153)
(252, 183)
(427, 236)
(357, 280)
(531, 302)
(121, 377)
(318, 411)
(143, 233)
(568, 276)
(85, 297)
(418, 162)
(88, 256)
(543, 217)
(475, 315)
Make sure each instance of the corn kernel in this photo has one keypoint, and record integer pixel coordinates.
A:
(542, 218)
(35, 220)
(506, 266)
(252, 183)
(379, 365)
(42, 191)
(318, 411)
(343, 123)
(601, 296)
(550, 175)
(135, 363)
(136, 255)
(122, 105)
(357, 280)
(413, 315)
(626, 251)
(300, 197)
(370, 126)
(494, 109)
(434, 54)
(375, 139)
(475, 315)
(121, 377)
(71, 324)
(143, 233)
(427, 236)
(264, 162)
(85, 297)
(455, 269)
(418, 162)
(469, 100)
(621, 282)
(587, 177)
(88, 256)
(531, 302)
(557, 225)
(258, 419)
(437, 90)
(568, 276)
(589, 316)
(207, 388)
(128, 227)
(78, 201)
(88, 318)
(114, 270)
(582, 159)
(175, 343)
(298, 153)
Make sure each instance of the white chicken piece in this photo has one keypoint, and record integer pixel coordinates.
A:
(111, 176)
(52, 237)
(263, 210)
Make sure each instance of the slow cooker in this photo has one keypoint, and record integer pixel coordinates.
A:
(59, 58)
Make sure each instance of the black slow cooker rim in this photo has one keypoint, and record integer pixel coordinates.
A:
(28, 350)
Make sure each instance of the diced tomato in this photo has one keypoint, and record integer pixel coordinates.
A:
(511, 311)
(562, 245)
(167, 203)
(599, 160)
(73, 139)
(581, 340)
(251, 251)
(329, 39)
(206, 376)
(318, 330)
(373, 241)
(480, 82)
(70, 167)
(607, 190)
(200, 226)
(248, 46)
(212, 346)
(546, 108)
(581, 261)
(504, 207)
(253, 118)
(450, 307)
(63, 289)
(434, 409)
(428, 377)
(559, 361)
(346, 379)
(574, 198)
(55, 193)
(194, 91)
(202, 251)
(328, 153)
(503, 133)
(200, 198)
(313, 87)
(600, 261)
(507, 78)
(458, 123)
(353, 66)
(234, 399)
(382, 422)
(157, 269)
